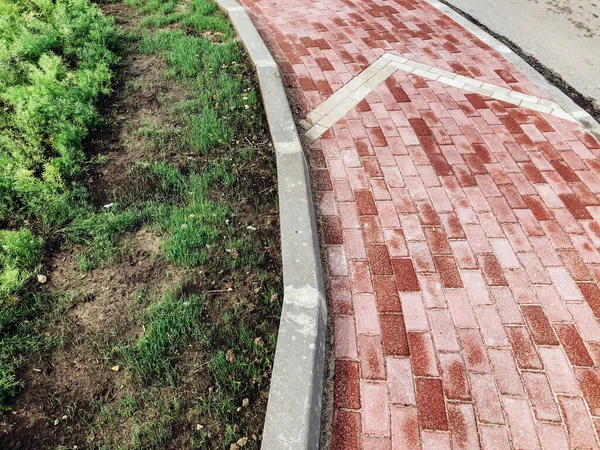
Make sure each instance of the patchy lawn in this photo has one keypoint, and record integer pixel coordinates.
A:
(139, 239)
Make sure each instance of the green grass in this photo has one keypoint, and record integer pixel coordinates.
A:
(68, 54)
(55, 63)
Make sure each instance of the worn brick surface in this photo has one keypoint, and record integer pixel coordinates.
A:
(461, 237)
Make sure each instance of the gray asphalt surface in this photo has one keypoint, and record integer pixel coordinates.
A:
(563, 35)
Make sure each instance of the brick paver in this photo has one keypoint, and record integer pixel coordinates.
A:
(461, 235)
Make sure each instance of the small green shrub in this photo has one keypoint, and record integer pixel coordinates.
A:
(19, 257)
(55, 63)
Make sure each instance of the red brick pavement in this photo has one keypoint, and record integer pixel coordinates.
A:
(461, 235)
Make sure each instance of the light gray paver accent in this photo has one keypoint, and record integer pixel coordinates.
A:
(293, 419)
(348, 96)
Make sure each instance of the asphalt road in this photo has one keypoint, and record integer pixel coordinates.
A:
(564, 35)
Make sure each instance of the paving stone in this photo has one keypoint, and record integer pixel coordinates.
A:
(461, 232)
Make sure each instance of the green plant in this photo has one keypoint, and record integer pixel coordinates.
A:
(55, 64)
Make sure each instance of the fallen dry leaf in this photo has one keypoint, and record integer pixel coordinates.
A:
(230, 355)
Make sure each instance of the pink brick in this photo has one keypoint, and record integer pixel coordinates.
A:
(476, 358)
(435, 441)
(422, 258)
(415, 317)
(508, 308)
(553, 305)
(395, 243)
(556, 234)
(337, 169)
(491, 326)
(541, 397)
(358, 179)
(463, 254)
(549, 197)
(376, 443)
(563, 282)
(529, 223)
(387, 214)
(385, 156)
(520, 423)
(453, 226)
(350, 157)
(365, 312)
(349, 215)
(477, 199)
(579, 427)
(428, 176)
(491, 226)
(360, 276)
(494, 438)
(462, 312)
(440, 200)
(408, 136)
(475, 287)
(585, 321)
(354, 244)
(485, 396)
(559, 370)
(505, 370)
(406, 166)
(393, 177)
(502, 210)
(327, 204)
(566, 221)
(466, 215)
(375, 409)
(370, 352)
(344, 337)
(443, 330)
(405, 428)
(402, 200)
(337, 261)
(519, 241)
(341, 298)
(545, 252)
(416, 188)
(412, 228)
(585, 248)
(534, 269)
(477, 239)
(552, 436)
(400, 378)
(343, 191)
(505, 254)
(431, 288)
(380, 191)
(521, 287)
(454, 376)
(463, 427)
(422, 355)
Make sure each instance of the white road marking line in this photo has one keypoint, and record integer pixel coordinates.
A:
(324, 116)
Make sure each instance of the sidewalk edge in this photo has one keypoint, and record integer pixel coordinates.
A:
(582, 116)
(293, 418)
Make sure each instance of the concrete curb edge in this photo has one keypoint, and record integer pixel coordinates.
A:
(582, 116)
(293, 418)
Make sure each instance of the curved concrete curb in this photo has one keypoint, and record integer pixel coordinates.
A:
(582, 116)
(293, 418)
